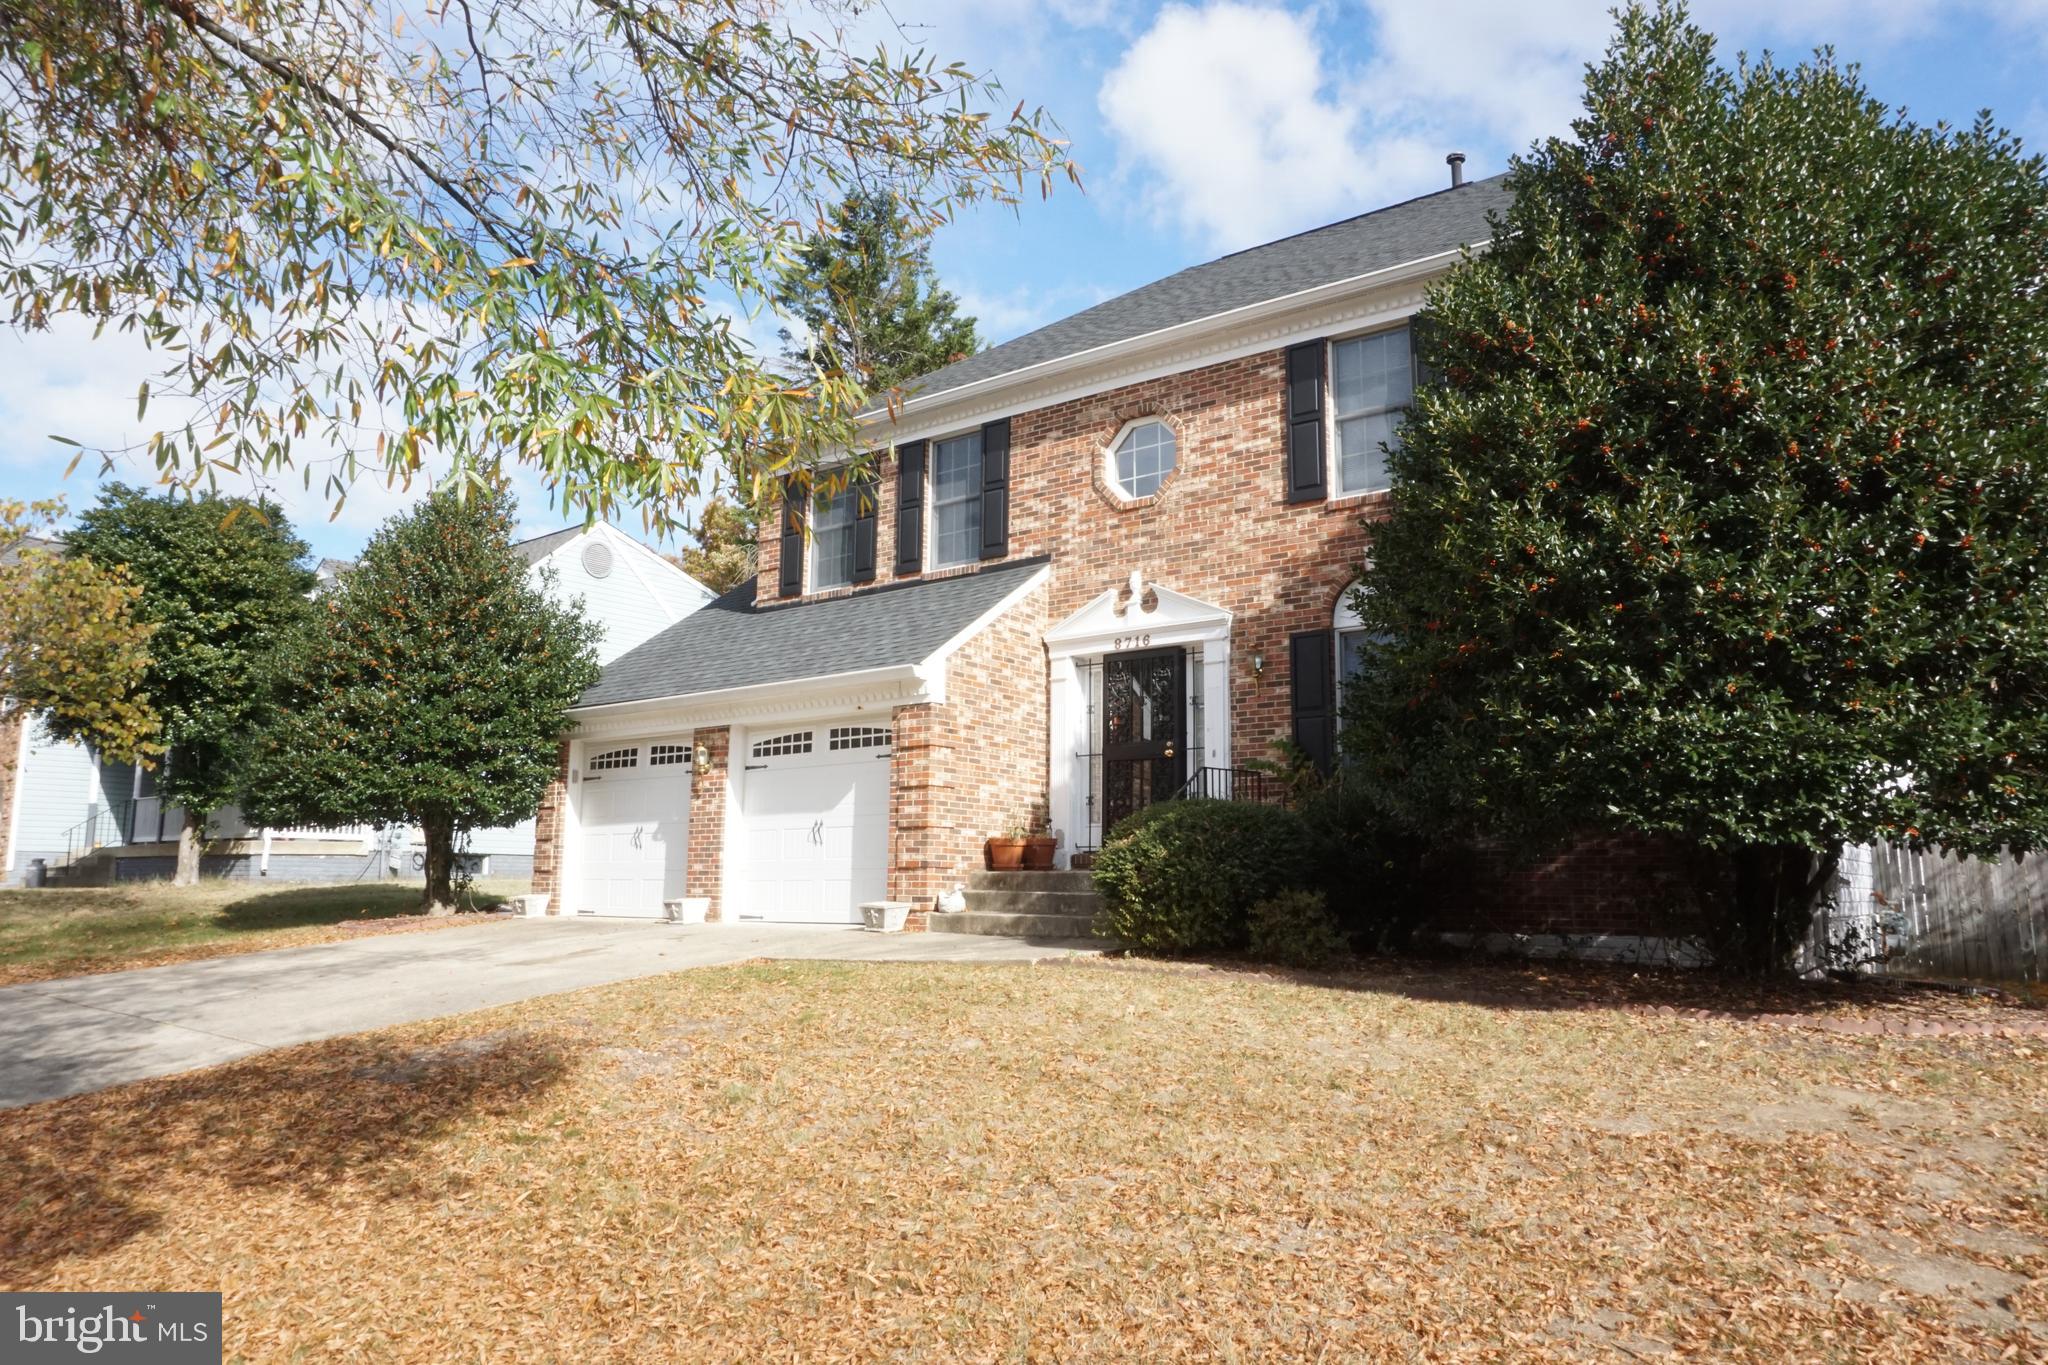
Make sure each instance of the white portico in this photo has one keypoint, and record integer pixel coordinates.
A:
(1140, 702)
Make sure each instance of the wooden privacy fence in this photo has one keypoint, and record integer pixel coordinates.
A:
(1903, 912)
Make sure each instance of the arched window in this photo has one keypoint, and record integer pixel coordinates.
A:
(1351, 637)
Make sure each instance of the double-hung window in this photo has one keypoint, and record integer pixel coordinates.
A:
(956, 500)
(832, 538)
(1372, 382)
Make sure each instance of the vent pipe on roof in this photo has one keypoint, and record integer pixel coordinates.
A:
(1456, 161)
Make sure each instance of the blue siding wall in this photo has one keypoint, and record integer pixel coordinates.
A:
(57, 792)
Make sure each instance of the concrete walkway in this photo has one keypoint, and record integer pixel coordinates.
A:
(85, 1033)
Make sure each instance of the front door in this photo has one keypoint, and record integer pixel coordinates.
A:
(1144, 715)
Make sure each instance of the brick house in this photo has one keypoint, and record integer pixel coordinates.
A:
(1098, 565)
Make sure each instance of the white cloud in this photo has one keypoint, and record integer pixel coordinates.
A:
(1233, 116)
(67, 382)
(1240, 121)
(1003, 314)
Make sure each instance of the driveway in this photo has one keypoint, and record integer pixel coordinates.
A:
(85, 1033)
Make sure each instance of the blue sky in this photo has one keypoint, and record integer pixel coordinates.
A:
(1201, 128)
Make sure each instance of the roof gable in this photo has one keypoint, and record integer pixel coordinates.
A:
(733, 643)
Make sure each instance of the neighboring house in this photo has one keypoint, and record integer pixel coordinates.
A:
(1102, 564)
(61, 803)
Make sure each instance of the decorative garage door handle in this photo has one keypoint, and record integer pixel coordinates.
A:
(818, 832)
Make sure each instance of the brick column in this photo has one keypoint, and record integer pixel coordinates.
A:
(705, 875)
(548, 829)
(914, 830)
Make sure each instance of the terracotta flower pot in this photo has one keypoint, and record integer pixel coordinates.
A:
(1003, 855)
(1038, 851)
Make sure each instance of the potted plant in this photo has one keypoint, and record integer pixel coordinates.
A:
(1005, 853)
(1038, 848)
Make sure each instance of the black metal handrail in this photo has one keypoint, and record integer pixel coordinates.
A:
(102, 825)
(1232, 784)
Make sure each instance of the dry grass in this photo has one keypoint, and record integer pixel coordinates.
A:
(858, 1161)
(59, 932)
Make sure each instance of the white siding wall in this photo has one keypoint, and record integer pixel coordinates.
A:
(642, 596)
(513, 839)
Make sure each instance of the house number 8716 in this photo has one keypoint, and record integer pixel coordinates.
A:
(1134, 641)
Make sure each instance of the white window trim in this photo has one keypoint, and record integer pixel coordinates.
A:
(1333, 453)
(812, 581)
(1344, 620)
(931, 499)
(1113, 483)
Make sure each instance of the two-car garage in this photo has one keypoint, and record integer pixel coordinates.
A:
(775, 723)
(811, 806)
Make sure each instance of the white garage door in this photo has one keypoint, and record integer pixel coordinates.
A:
(634, 813)
(814, 803)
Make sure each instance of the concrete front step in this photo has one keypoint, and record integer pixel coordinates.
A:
(1030, 881)
(1010, 925)
(1081, 903)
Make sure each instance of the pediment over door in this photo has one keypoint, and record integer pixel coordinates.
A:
(1137, 615)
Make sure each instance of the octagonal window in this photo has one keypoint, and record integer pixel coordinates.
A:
(1142, 458)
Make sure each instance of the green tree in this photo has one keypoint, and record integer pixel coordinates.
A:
(865, 292)
(222, 580)
(72, 649)
(728, 534)
(1725, 521)
(478, 232)
(432, 687)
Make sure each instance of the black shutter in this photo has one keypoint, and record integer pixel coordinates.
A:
(867, 499)
(791, 554)
(1306, 481)
(1312, 669)
(995, 489)
(910, 507)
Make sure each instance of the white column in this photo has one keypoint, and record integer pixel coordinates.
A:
(568, 854)
(1216, 702)
(1065, 711)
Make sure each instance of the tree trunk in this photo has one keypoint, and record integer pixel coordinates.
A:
(439, 896)
(188, 851)
(1776, 887)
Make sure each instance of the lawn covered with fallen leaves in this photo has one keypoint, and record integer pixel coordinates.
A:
(1077, 1161)
(69, 931)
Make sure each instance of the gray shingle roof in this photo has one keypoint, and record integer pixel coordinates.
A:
(540, 547)
(732, 642)
(1357, 246)
(13, 553)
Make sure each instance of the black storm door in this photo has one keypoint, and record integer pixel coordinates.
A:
(1144, 719)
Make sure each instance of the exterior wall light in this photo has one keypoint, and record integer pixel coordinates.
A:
(703, 759)
(1258, 668)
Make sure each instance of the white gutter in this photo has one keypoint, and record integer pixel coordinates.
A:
(740, 696)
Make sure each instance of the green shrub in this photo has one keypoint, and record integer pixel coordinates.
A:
(1296, 929)
(1368, 868)
(1182, 876)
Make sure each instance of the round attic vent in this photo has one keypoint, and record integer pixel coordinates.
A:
(597, 559)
